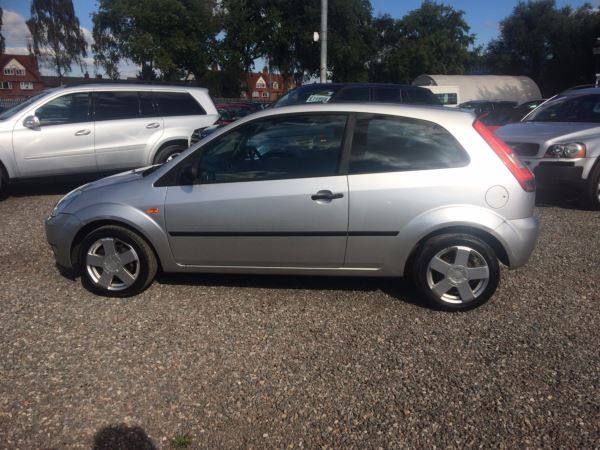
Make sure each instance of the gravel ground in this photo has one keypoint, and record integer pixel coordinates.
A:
(257, 362)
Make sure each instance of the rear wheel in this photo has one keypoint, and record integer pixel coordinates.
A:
(3, 179)
(116, 262)
(456, 272)
(593, 188)
(168, 153)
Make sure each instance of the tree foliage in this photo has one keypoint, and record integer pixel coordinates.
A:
(166, 38)
(551, 45)
(56, 35)
(2, 42)
(431, 39)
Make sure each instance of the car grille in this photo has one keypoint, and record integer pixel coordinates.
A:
(524, 148)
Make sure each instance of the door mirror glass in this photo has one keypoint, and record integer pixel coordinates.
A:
(31, 122)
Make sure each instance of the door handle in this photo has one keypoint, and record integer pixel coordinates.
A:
(326, 195)
(82, 133)
(153, 125)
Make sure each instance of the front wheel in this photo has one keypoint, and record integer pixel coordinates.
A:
(456, 272)
(116, 262)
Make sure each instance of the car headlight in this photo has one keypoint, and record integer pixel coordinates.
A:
(65, 201)
(571, 150)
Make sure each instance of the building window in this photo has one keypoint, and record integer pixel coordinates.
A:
(9, 71)
(20, 72)
(260, 84)
(265, 94)
(5, 85)
(275, 85)
(255, 94)
(26, 85)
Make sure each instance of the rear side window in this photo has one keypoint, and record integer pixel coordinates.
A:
(394, 144)
(178, 104)
(421, 96)
(387, 95)
(353, 94)
(116, 105)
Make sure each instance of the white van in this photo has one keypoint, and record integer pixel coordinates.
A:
(99, 128)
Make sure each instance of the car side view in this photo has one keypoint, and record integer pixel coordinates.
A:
(99, 128)
(338, 189)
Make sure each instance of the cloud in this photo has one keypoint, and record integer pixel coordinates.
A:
(15, 32)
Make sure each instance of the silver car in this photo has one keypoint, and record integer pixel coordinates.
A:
(560, 142)
(367, 190)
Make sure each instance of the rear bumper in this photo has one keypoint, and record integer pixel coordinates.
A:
(519, 238)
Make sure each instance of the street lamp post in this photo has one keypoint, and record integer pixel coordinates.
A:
(323, 37)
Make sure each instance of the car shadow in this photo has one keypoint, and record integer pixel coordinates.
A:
(121, 436)
(49, 186)
(555, 198)
(400, 289)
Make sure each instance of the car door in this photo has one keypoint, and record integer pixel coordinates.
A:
(127, 127)
(267, 193)
(63, 143)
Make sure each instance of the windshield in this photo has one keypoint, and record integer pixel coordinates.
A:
(308, 94)
(21, 106)
(583, 108)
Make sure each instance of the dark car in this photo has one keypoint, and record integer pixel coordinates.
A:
(358, 93)
(500, 117)
(481, 107)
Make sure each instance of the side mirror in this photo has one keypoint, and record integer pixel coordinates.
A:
(31, 122)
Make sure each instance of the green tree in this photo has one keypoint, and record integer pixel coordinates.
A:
(166, 38)
(431, 39)
(56, 35)
(551, 45)
(2, 42)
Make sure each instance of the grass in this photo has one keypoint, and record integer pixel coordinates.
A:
(181, 441)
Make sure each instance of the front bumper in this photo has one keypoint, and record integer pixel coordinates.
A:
(60, 232)
(555, 172)
(519, 237)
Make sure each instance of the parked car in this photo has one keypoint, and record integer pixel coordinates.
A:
(99, 128)
(500, 117)
(560, 142)
(357, 93)
(481, 107)
(368, 190)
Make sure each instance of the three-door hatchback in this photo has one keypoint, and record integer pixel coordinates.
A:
(367, 190)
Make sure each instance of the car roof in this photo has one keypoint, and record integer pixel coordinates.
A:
(340, 85)
(118, 86)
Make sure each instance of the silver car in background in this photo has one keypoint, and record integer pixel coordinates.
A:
(366, 190)
(560, 142)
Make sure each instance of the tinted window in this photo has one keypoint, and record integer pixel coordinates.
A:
(178, 104)
(393, 144)
(293, 146)
(116, 105)
(70, 108)
(147, 106)
(387, 95)
(584, 108)
(420, 96)
(308, 94)
(353, 94)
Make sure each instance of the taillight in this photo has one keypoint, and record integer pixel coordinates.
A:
(516, 167)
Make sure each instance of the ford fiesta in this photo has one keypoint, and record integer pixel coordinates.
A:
(366, 190)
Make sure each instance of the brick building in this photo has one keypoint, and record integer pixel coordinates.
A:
(19, 76)
(264, 86)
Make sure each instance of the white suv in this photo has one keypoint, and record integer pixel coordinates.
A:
(99, 128)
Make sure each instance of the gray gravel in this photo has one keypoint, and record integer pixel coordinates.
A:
(255, 362)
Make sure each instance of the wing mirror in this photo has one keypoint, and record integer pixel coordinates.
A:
(31, 122)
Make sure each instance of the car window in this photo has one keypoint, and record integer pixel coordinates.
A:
(583, 108)
(116, 105)
(392, 144)
(178, 104)
(70, 108)
(387, 95)
(147, 105)
(291, 146)
(420, 96)
(353, 94)
(308, 94)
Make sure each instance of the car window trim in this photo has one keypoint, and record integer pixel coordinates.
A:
(169, 179)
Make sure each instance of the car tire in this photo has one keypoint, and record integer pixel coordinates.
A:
(3, 179)
(593, 188)
(169, 152)
(456, 272)
(116, 262)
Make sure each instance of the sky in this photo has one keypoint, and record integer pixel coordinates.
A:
(482, 16)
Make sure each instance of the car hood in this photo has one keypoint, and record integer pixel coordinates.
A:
(113, 180)
(544, 131)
